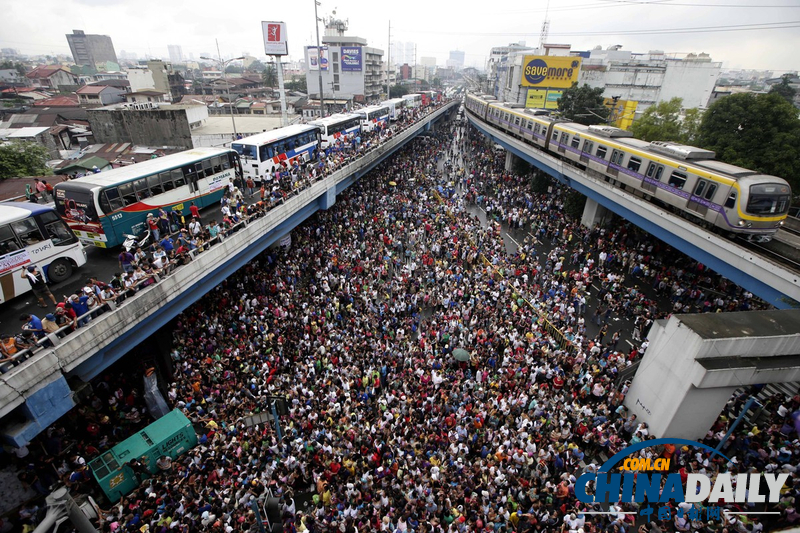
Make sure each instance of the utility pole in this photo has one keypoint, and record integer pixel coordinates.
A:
(319, 62)
(388, 60)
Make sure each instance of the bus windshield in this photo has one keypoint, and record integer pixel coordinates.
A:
(246, 150)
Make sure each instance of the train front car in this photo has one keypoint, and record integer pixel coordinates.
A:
(761, 208)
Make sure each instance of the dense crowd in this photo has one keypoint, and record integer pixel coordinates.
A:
(363, 327)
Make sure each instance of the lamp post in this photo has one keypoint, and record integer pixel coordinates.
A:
(223, 66)
(319, 61)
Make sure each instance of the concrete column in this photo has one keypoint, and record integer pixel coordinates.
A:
(510, 160)
(327, 200)
(593, 213)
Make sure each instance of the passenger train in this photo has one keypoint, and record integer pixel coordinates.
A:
(685, 179)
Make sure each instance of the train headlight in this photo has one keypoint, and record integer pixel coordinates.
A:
(741, 223)
(781, 223)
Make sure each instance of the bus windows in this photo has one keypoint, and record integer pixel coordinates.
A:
(226, 161)
(208, 168)
(27, 230)
(56, 229)
(8, 242)
(140, 186)
(127, 194)
(154, 183)
(178, 178)
(190, 176)
(166, 181)
(113, 200)
(217, 164)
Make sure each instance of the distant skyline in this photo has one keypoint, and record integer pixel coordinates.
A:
(770, 42)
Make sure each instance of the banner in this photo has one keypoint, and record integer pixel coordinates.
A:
(550, 71)
(275, 43)
(552, 99)
(14, 260)
(351, 59)
(536, 98)
(317, 60)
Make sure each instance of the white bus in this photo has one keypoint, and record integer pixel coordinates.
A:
(261, 154)
(373, 115)
(395, 106)
(413, 100)
(32, 234)
(335, 126)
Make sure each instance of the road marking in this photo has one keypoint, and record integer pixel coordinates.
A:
(629, 342)
(513, 240)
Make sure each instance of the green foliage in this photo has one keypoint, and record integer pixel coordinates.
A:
(270, 76)
(784, 90)
(19, 67)
(759, 132)
(19, 159)
(583, 105)
(256, 66)
(233, 69)
(397, 91)
(574, 204)
(297, 84)
(662, 122)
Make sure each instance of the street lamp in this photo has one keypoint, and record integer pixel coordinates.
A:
(319, 61)
(224, 65)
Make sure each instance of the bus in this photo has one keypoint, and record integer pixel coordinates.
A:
(413, 100)
(373, 115)
(335, 126)
(395, 106)
(33, 234)
(101, 208)
(262, 153)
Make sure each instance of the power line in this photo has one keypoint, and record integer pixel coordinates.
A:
(661, 31)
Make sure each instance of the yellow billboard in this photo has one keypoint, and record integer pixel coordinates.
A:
(552, 99)
(550, 71)
(622, 112)
(536, 98)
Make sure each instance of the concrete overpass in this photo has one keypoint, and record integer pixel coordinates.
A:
(766, 278)
(40, 391)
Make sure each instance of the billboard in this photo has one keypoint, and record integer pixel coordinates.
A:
(552, 99)
(275, 43)
(622, 112)
(550, 71)
(351, 59)
(317, 58)
(536, 98)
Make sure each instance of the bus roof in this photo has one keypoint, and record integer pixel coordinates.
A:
(333, 119)
(275, 135)
(13, 211)
(392, 101)
(372, 108)
(145, 168)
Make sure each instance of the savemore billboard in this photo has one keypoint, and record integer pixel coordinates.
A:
(550, 71)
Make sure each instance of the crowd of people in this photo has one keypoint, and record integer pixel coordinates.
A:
(363, 327)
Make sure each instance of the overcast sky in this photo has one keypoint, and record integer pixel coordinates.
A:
(148, 26)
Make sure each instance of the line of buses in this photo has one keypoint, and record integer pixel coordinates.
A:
(101, 208)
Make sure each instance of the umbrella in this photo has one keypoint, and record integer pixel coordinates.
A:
(461, 354)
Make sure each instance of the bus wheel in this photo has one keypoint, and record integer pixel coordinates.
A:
(59, 270)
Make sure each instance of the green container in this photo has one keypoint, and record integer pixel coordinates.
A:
(171, 435)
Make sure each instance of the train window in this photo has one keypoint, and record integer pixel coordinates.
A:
(576, 141)
(555, 136)
(731, 201)
(677, 180)
(564, 138)
(530, 125)
(712, 188)
(536, 128)
(155, 184)
(588, 146)
(659, 172)
(634, 164)
(617, 156)
(700, 187)
(601, 152)
(127, 194)
(516, 121)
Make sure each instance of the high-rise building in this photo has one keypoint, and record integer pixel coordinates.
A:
(175, 53)
(91, 49)
(456, 59)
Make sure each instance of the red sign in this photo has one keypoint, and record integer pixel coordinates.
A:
(273, 33)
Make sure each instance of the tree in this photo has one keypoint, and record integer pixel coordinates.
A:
(574, 204)
(19, 67)
(583, 105)
(23, 159)
(256, 66)
(662, 122)
(397, 91)
(759, 132)
(233, 69)
(297, 84)
(784, 90)
(270, 76)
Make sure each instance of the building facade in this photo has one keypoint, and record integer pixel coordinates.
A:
(350, 69)
(91, 49)
(99, 95)
(175, 53)
(154, 76)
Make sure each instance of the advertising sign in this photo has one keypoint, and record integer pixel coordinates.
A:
(351, 59)
(552, 99)
(550, 71)
(317, 60)
(275, 43)
(14, 260)
(536, 98)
